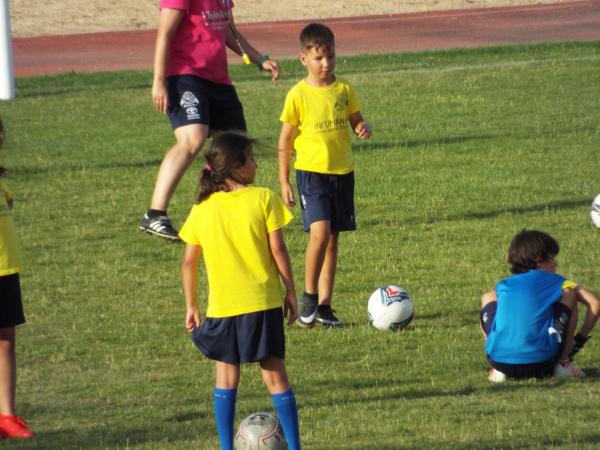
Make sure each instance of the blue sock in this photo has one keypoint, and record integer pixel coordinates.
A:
(285, 403)
(224, 404)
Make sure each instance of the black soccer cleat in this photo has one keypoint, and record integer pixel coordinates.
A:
(159, 226)
(308, 312)
(326, 317)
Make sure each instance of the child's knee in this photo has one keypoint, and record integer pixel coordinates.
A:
(488, 297)
(320, 232)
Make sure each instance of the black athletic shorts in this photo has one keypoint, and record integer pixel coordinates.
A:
(327, 197)
(195, 100)
(245, 338)
(11, 306)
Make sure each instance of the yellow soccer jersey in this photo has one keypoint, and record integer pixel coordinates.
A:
(232, 228)
(321, 116)
(10, 254)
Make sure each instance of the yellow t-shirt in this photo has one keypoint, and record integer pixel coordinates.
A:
(232, 228)
(321, 115)
(10, 254)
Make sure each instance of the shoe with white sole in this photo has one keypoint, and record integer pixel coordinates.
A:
(160, 226)
(566, 370)
(308, 312)
(495, 376)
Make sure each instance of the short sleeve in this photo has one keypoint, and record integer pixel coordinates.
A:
(277, 215)
(189, 232)
(7, 194)
(290, 113)
(183, 5)
(353, 103)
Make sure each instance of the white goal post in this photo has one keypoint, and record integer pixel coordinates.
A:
(7, 79)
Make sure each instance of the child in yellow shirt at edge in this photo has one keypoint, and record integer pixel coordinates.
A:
(238, 229)
(11, 315)
(315, 120)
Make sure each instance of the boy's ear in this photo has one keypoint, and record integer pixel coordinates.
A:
(302, 58)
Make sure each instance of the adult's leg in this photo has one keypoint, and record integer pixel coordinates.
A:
(189, 141)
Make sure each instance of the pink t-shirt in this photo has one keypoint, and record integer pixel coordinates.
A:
(198, 46)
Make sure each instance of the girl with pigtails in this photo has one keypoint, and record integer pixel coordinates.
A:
(237, 228)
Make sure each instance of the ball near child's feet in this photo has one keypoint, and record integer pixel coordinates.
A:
(260, 431)
(390, 308)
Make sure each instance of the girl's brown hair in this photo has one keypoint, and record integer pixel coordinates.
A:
(226, 153)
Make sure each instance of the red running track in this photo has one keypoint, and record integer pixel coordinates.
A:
(95, 52)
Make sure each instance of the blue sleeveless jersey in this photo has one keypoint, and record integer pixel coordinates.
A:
(522, 332)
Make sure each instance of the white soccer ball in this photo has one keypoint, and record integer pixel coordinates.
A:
(595, 211)
(260, 431)
(390, 308)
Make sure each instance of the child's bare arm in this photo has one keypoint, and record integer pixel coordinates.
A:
(359, 126)
(284, 267)
(9, 200)
(592, 304)
(189, 271)
(286, 142)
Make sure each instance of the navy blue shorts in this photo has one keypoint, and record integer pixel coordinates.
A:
(327, 197)
(11, 306)
(544, 369)
(240, 339)
(195, 100)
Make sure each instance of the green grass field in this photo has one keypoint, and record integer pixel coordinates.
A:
(469, 146)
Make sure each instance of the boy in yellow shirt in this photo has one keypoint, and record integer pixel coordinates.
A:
(315, 119)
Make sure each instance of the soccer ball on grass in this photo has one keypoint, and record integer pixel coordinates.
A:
(390, 308)
(260, 431)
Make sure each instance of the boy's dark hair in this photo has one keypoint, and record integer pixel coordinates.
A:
(226, 153)
(528, 247)
(2, 169)
(316, 35)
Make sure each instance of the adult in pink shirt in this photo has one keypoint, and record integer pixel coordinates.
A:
(192, 86)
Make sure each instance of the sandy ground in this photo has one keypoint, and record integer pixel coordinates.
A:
(51, 17)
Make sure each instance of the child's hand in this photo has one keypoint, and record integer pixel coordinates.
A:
(290, 307)
(363, 130)
(192, 318)
(287, 194)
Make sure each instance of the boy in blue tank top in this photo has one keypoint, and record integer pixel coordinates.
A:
(529, 320)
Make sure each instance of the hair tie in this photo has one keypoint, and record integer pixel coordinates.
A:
(208, 167)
